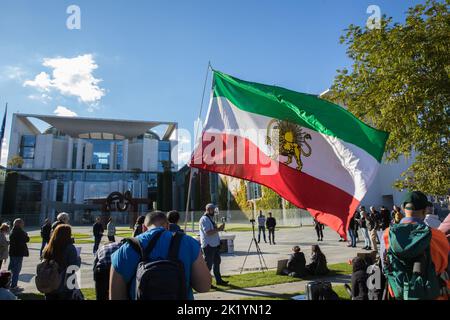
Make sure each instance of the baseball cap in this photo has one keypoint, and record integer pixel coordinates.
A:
(417, 198)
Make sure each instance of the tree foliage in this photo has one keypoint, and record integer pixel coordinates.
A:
(399, 82)
(15, 162)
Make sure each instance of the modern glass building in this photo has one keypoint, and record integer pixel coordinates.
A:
(75, 163)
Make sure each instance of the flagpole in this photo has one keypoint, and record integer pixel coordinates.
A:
(2, 134)
(197, 136)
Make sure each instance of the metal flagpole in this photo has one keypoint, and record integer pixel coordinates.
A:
(196, 135)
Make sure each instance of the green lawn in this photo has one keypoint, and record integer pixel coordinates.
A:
(258, 279)
(89, 294)
(246, 280)
(80, 238)
(340, 290)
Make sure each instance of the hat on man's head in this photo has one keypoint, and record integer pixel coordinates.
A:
(417, 198)
(210, 206)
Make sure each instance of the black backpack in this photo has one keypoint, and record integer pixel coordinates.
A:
(162, 278)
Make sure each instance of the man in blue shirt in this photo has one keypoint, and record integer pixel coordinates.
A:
(125, 260)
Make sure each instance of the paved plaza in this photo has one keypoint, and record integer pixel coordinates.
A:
(334, 250)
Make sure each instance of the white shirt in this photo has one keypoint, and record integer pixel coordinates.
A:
(432, 221)
(205, 239)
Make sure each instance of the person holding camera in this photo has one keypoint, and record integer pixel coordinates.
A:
(210, 242)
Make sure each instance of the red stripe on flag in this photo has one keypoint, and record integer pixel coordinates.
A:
(327, 203)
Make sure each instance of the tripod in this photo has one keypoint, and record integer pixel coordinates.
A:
(262, 262)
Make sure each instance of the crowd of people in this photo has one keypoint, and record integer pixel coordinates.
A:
(413, 253)
(160, 261)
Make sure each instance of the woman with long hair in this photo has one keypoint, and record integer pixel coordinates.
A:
(318, 265)
(61, 250)
(139, 226)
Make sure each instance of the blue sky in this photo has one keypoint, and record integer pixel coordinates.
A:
(151, 56)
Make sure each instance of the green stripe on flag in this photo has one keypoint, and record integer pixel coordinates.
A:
(303, 109)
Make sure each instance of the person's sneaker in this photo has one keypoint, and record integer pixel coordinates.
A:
(222, 283)
(213, 287)
(318, 239)
(369, 248)
(16, 289)
(274, 243)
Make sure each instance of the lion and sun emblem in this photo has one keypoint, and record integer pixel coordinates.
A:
(288, 139)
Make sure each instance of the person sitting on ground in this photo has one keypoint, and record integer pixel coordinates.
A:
(296, 265)
(61, 250)
(431, 219)
(61, 218)
(318, 265)
(173, 217)
(413, 238)
(5, 280)
(124, 262)
(359, 279)
(4, 243)
(139, 226)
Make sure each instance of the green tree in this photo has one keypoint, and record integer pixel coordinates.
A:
(15, 162)
(399, 82)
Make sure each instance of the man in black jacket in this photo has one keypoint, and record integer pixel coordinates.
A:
(46, 230)
(98, 233)
(17, 250)
(271, 222)
(296, 265)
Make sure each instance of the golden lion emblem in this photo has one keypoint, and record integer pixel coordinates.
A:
(287, 139)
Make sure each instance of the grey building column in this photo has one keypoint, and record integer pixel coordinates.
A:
(112, 156)
(125, 155)
(69, 152)
(79, 154)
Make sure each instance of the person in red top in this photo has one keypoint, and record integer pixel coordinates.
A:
(414, 206)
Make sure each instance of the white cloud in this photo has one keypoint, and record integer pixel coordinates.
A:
(43, 97)
(13, 73)
(70, 77)
(64, 112)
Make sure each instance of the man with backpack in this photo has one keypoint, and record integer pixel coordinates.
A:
(158, 265)
(416, 256)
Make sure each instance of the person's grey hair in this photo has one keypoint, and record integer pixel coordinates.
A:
(210, 206)
(63, 217)
(17, 221)
(155, 216)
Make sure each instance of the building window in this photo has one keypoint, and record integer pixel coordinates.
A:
(163, 154)
(27, 146)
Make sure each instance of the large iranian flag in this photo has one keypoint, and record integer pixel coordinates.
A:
(313, 153)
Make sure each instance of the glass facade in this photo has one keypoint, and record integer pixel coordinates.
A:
(35, 193)
(164, 155)
(27, 146)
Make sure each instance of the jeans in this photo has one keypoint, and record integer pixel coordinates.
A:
(15, 266)
(352, 237)
(97, 243)
(212, 258)
(101, 278)
(271, 235)
(319, 232)
(365, 233)
(263, 230)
